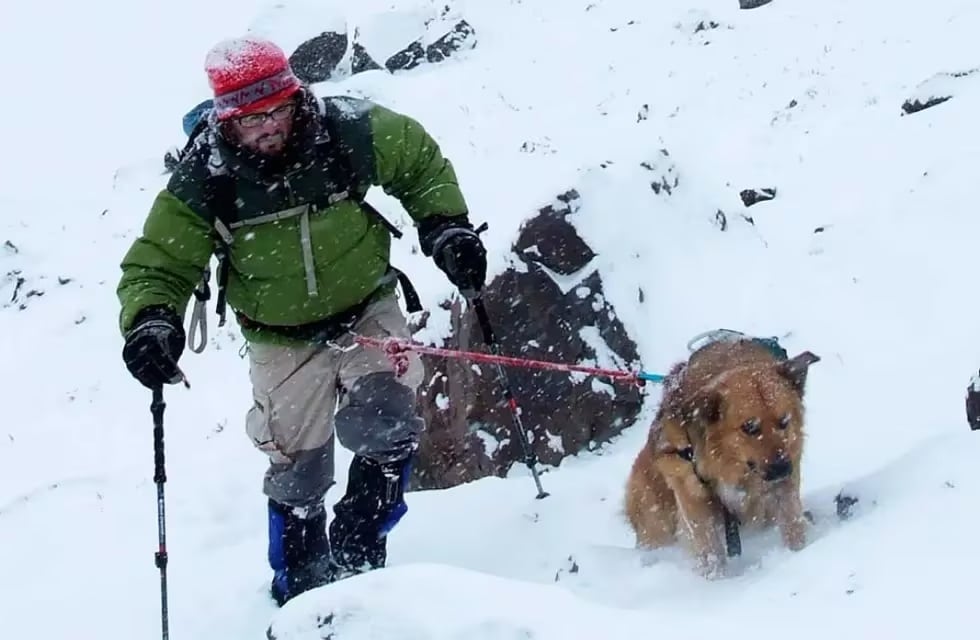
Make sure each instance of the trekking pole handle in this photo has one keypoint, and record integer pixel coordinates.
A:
(484, 320)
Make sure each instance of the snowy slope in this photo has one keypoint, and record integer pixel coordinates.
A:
(556, 95)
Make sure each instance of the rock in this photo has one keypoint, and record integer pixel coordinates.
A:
(550, 241)
(721, 220)
(316, 59)
(664, 172)
(845, 503)
(552, 308)
(754, 196)
(973, 402)
(452, 453)
(408, 58)
(17, 290)
(936, 90)
(361, 60)
(752, 4)
(916, 105)
(706, 25)
(10, 287)
(461, 36)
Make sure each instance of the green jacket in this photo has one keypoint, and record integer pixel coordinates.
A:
(303, 267)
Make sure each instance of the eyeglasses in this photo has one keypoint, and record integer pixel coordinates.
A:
(256, 119)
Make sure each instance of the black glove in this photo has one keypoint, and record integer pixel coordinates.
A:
(154, 343)
(457, 250)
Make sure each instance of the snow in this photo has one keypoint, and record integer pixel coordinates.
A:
(803, 97)
(232, 56)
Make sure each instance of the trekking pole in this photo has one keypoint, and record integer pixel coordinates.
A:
(160, 477)
(529, 458)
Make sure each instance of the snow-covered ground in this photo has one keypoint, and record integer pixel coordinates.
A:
(864, 257)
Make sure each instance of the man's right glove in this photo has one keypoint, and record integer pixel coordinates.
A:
(457, 250)
(153, 345)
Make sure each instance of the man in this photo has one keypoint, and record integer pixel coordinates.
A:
(274, 185)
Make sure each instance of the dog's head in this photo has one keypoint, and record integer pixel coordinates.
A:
(749, 421)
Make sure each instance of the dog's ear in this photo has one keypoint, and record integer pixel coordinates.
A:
(795, 370)
(704, 408)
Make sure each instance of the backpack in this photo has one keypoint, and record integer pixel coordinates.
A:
(219, 195)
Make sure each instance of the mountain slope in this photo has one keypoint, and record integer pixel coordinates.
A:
(864, 257)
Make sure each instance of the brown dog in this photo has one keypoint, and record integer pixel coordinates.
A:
(728, 434)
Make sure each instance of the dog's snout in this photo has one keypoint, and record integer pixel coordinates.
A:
(779, 468)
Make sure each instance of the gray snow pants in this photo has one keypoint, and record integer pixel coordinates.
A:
(305, 395)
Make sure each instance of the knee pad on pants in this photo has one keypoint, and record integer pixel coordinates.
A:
(378, 419)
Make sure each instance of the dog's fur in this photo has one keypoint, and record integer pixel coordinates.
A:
(729, 417)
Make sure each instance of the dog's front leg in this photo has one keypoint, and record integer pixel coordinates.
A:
(789, 515)
(702, 519)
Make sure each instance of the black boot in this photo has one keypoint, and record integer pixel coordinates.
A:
(299, 552)
(372, 506)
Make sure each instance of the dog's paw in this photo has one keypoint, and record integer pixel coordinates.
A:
(712, 566)
(796, 544)
(794, 534)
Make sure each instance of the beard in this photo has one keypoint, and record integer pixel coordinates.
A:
(270, 144)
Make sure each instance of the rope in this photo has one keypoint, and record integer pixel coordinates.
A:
(396, 348)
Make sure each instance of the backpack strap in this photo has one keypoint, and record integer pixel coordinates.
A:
(219, 197)
(351, 172)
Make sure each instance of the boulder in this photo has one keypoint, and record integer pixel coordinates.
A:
(316, 59)
(461, 36)
(548, 306)
(755, 196)
(361, 60)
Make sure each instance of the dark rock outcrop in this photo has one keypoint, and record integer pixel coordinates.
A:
(936, 90)
(316, 59)
(754, 196)
(916, 105)
(470, 425)
(319, 58)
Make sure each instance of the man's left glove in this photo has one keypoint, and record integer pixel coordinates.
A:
(153, 345)
(458, 251)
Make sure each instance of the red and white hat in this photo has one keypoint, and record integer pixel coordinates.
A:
(248, 74)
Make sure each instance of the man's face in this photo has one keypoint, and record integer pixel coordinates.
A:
(267, 131)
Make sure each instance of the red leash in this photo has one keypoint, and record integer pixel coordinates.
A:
(396, 348)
